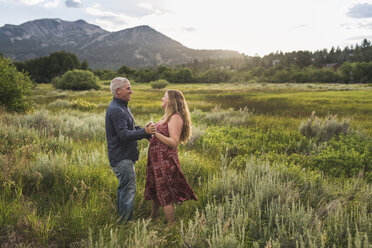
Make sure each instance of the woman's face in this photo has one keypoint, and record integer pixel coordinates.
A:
(165, 100)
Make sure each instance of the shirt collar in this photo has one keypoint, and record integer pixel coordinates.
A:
(120, 101)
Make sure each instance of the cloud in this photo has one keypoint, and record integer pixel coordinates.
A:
(360, 38)
(152, 9)
(188, 29)
(358, 25)
(361, 10)
(27, 2)
(348, 26)
(45, 3)
(112, 16)
(97, 10)
(367, 25)
(178, 29)
(51, 4)
(109, 20)
(73, 3)
(113, 21)
(300, 26)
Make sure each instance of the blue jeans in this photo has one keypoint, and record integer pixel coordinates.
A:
(126, 175)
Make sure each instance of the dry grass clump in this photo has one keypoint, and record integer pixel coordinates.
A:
(197, 132)
(324, 130)
(217, 115)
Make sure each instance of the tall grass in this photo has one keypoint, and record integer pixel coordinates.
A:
(260, 182)
(271, 205)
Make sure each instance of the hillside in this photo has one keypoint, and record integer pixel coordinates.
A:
(140, 46)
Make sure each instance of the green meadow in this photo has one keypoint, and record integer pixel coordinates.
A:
(273, 165)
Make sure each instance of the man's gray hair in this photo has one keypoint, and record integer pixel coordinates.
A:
(117, 83)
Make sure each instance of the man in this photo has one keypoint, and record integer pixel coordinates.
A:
(122, 136)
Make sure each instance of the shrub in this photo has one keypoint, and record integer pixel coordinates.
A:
(235, 141)
(77, 80)
(83, 105)
(215, 76)
(282, 76)
(105, 74)
(346, 155)
(60, 104)
(236, 118)
(159, 84)
(324, 130)
(14, 87)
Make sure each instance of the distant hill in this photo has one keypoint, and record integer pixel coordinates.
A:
(135, 47)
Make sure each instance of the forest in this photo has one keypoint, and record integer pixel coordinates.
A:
(349, 65)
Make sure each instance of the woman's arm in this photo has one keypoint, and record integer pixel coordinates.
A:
(175, 125)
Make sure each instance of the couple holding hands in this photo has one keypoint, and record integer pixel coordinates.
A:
(165, 182)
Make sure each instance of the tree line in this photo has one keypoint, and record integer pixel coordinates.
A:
(349, 65)
(44, 69)
(320, 58)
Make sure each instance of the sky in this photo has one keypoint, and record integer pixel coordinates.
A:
(252, 27)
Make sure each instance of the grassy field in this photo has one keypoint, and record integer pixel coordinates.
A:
(266, 174)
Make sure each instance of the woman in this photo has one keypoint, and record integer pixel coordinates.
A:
(165, 182)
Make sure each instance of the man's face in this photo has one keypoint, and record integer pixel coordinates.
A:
(125, 92)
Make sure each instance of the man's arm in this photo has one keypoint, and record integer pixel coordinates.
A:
(148, 136)
(121, 127)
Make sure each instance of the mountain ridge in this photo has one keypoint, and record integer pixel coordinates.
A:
(139, 46)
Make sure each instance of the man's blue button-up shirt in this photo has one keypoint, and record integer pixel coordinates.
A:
(121, 132)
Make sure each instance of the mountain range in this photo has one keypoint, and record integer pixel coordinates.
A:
(141, 46)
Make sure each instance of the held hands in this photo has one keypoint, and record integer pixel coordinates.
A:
(150, 128)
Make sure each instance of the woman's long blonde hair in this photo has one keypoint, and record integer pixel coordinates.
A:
(178, 105)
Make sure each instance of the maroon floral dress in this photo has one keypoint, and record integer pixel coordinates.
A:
(164, 178)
